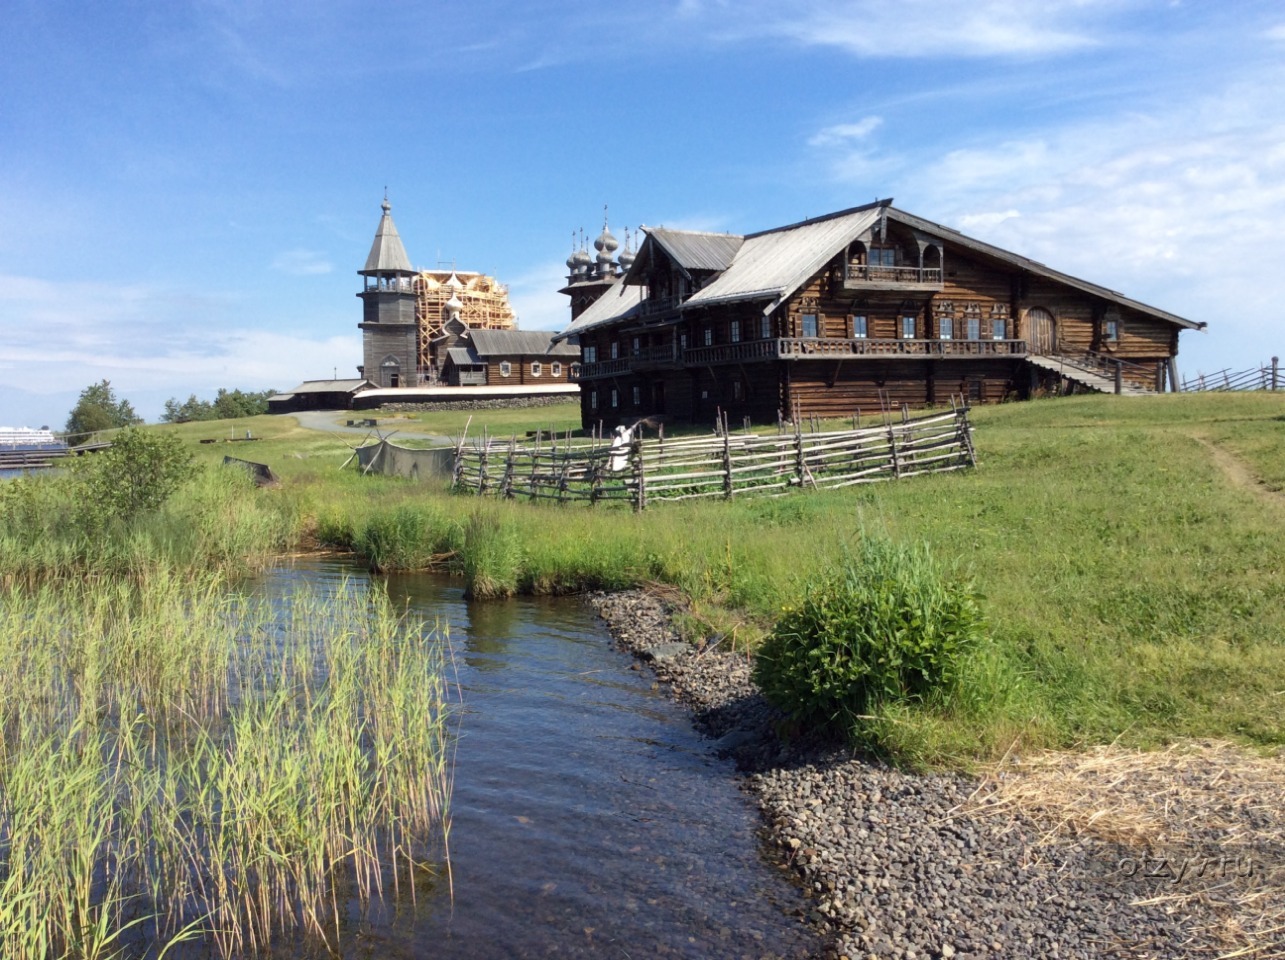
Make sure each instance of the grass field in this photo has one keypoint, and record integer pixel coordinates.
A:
(1130, 551)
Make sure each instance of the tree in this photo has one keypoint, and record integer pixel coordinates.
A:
(99, 409)
(227, 405)
(136, 474)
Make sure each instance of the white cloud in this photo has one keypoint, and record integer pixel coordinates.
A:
(1276, 33)
(844, 133)
(928, 28)
(535, 298)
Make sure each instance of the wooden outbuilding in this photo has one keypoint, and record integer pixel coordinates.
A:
(844, 313)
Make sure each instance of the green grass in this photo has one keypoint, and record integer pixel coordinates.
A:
(1134, 590)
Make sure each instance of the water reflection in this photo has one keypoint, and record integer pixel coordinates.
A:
(589, 820)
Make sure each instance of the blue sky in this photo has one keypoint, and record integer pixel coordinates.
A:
(187, 188)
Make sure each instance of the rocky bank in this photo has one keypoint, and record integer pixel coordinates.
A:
(899, 865)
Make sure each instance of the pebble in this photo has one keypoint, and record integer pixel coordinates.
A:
(893, 866)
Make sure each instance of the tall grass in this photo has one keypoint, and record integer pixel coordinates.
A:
(176, 758)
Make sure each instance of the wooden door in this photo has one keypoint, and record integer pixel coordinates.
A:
(1041, 331)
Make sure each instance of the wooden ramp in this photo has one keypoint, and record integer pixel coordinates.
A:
(1095, 377)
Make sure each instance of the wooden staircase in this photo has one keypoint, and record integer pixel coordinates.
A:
(1091, 371)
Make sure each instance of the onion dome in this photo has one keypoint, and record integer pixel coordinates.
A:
(454, 282)
(627, 255)
(454, 305)
(583, 260)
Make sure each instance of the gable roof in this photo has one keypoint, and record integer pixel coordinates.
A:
(491, 343)
(773, 264)
(951, 235)
(462, 356)
(619, 302)
(695, 250)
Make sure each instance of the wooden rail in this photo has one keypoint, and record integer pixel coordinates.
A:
(1265, 377)
(805, 348)
(727, 466)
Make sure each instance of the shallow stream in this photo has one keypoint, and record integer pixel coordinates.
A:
(588, 817)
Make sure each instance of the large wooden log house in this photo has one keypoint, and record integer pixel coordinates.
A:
(845, 313)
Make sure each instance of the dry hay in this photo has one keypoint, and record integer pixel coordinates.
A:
(1197, 829)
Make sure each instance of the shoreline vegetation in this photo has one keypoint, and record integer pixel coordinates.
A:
(1126, 554)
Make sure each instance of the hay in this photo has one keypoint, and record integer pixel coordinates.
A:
(1198, 828)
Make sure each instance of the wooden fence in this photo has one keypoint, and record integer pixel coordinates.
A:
(726, 466)
(1266, 377)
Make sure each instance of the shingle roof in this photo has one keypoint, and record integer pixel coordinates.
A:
(693, 250)
(387, 255)
(618, 303)
(463, 356)
(772, 265)
(1037, 268)
(331, 386)
(494, 343)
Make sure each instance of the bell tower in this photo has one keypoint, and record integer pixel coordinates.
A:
(390, 332)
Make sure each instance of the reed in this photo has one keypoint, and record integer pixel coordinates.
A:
(177, 757)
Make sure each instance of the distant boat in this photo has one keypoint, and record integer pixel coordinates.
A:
(22, 447)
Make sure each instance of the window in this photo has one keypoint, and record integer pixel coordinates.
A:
(555, 369)
(506, 368)
(945, 327)
(590, 354)
(734, 331)
(908, 327)
(593, 399)
(974, 328)
(615, 398)
(575, 371)
(883, 256)
(615, 350)
(860, 327)
(536, 368)
(637, 395)
(765, 328)
(997, 328)
(738, 390)
(682, 340)
(809, 324)
(637, 347)
(1112, 328)
(708, 334)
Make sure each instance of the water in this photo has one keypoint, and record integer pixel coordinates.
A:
(589, 819)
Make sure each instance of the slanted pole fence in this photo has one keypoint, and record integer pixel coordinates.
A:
(724, 466)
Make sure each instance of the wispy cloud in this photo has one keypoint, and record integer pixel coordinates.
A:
(302, 263)
(845, 133)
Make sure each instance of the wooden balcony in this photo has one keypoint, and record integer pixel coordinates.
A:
(653, 306)
(605, 368)
(822, 348)
(655, 358)
(860, 277)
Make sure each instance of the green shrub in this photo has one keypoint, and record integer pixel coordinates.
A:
(135, 475)
(887, 627)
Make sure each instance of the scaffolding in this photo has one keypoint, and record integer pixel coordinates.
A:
(485, 306)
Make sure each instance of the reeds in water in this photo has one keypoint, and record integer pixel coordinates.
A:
(180, 761)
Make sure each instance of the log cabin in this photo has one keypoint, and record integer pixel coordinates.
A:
(844, 313)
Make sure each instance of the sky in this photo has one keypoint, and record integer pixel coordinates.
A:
(187, 189)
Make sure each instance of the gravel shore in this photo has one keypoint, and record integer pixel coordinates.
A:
(901, 865)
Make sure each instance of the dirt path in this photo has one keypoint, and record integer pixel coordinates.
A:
(1239, 473)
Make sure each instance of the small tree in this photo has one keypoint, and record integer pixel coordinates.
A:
(135, 475)
(97, 409)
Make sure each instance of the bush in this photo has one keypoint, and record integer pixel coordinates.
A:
(492, 558)
(135, 475)
(888, 627)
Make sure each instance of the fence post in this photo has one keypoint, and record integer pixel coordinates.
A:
(1275, 370)
(798, 452)
(892, 449)
(506, 483)
(640, 475)
(1119, 378)
(727, 460)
